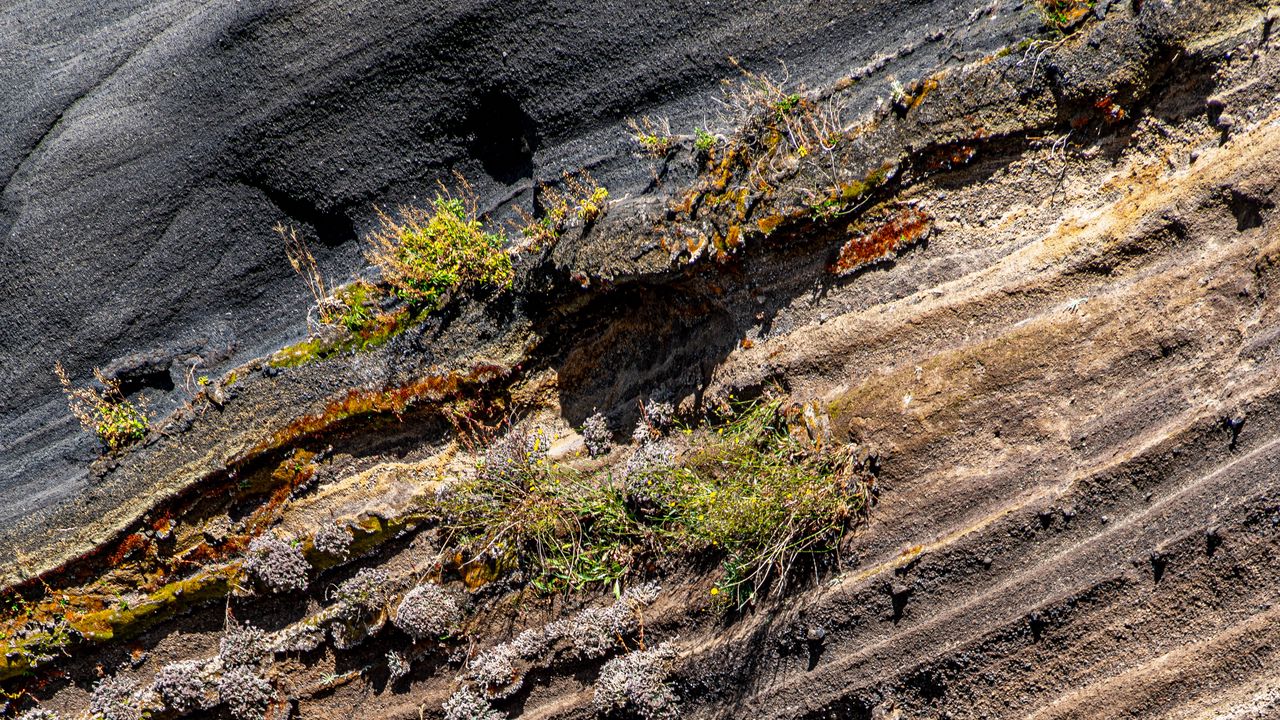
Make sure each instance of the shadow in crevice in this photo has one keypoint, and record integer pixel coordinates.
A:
(502, 136)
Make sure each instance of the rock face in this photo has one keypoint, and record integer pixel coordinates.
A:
(147, 150)
(1030, 274)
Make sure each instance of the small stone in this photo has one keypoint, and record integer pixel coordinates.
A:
(815, 634)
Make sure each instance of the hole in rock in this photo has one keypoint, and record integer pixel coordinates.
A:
(503, 137)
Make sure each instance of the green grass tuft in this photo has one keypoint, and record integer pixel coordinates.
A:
(748, 493)
(426, 255)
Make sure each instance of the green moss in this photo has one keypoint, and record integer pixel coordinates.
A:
(374, 332)
(125, 620)
(18, 656)
(1018, 47)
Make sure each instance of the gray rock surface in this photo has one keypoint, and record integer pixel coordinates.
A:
(147, 148)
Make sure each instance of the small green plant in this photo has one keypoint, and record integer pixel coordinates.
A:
(106, 413)
(703, 141)
(358, 305)
(589, 209)
(653, 137)
(582, 200)
(426, 255)
(786, 104)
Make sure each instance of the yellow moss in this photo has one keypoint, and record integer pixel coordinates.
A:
(116, 623)
(769, 223)
(734, 238)
(119, 622)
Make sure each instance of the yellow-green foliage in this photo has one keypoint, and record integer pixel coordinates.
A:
(364, 332)
(653, 137)
(747, 492)
(358, 305)
(761, 497)
(582, 199)
(573, 530)
(703, 140)
(425, 255)
(107, 413)
(591, 206)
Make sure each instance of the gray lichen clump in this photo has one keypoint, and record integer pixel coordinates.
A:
(660, 415)
(650, 456)
(596, 435)
(277, 565)
(333, 540)
(398, 665)
(594, 632)
(513, 454)
(591, 634)
(427, 611)
(183, 686)
(245, 645)
(366, 591)
(39, 714)
(467, 705)
(635, 685)
(113, 699)
(245, 693)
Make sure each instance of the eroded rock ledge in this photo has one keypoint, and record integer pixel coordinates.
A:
(1061, 353)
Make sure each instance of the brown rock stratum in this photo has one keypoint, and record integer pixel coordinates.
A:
(1071, 386)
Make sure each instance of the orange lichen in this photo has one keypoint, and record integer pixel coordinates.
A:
(769, 223)
(163, 523)
(950, 157)
(366, 402)
(1111, 112)
(919, 89)
(878, 243)
(130, 545)
(1064, 14)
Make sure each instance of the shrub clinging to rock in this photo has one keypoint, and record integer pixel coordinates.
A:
(427, 611)
(276, 564)
(183, 686)
(246, 694)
